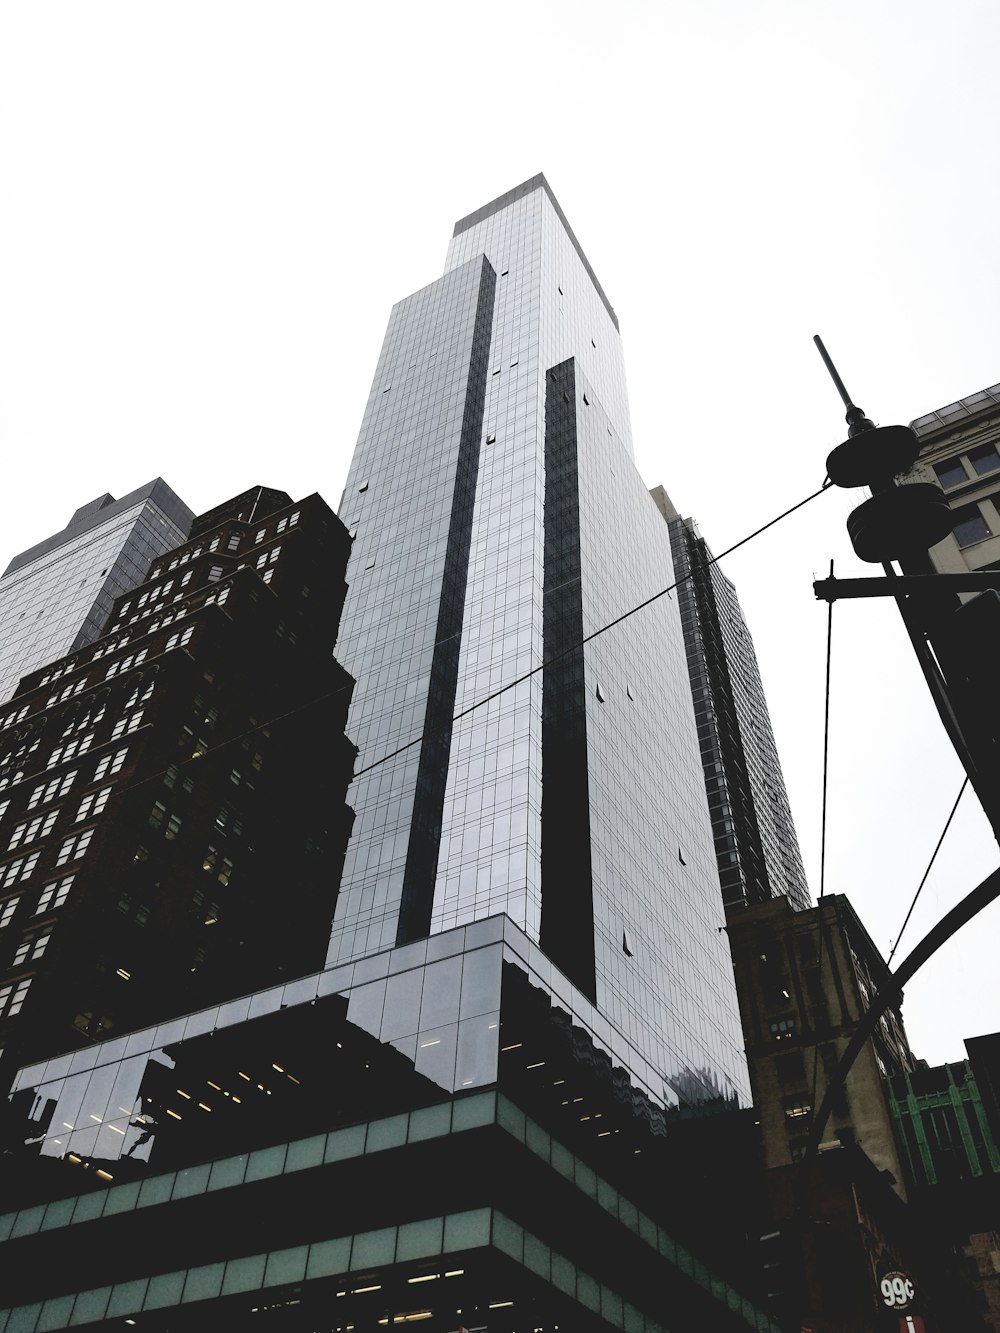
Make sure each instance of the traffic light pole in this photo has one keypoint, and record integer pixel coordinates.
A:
(895, 521)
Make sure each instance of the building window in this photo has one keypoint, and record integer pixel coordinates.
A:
(12, 997)
(91, 1024)
(984, 459)
(54, 895)
(48, 791)
(110, 763)
(31, 947)
(950, 473)
(132, 660)
(127, 724)
(92, 804)
(171, 776)
(180, 639)
(970, 526)
(156, 819)
(797, 1108)
(73, 848)
(63, 752)
(234, 542)
(214, 573)
(7, 911)
(140, 695)
(783, 1029)
(220, 867)
(17, 870)
(33, 828)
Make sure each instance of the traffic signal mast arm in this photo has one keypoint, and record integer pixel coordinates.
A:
(829, 590)
(891, 995)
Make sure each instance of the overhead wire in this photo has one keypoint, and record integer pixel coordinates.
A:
(822, 842)
(213, 750)
(575, 647)
(930, 865)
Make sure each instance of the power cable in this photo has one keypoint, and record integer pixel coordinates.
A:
(594, 634)
(330, 694)
(930, 863)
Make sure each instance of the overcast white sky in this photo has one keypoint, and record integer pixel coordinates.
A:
(207, 210)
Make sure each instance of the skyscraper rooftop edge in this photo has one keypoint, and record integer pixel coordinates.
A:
(91, 515)
(519, 192)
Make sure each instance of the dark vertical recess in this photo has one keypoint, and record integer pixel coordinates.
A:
(432, 771)
(739, 850)
(567, 927)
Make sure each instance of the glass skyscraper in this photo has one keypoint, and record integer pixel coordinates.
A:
(56, 596)
(499, 520)
(756, 845)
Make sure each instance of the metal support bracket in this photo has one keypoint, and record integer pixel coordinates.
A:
(829, 590)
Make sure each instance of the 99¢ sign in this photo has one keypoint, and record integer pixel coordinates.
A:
(897, 1291)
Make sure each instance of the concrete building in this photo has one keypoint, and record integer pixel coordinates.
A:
(756, 846)
(55, 597)
(960, 452)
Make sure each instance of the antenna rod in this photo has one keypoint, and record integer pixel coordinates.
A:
(833, 371)
(856, 420)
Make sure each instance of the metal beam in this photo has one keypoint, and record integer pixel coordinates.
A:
(892, 993)
(982, 580)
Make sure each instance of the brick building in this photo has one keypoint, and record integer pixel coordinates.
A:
(172, 796)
